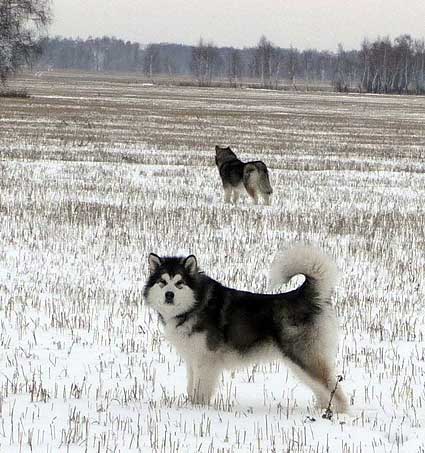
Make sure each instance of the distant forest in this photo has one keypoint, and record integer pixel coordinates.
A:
(380, 66)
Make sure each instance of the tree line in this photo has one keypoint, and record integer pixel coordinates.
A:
(92, 54)
(205, 62)
(379, 66)
(393, 67)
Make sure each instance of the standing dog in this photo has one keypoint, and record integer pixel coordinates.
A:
(237, 176)
(214, 327)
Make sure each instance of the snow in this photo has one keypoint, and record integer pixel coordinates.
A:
(83, 364)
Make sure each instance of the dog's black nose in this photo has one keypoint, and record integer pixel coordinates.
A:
(169, 297)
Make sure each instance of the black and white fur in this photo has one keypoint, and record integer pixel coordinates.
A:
(214, 327)
(238, 176)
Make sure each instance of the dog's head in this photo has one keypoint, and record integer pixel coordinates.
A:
(169, 289)
(222, 154)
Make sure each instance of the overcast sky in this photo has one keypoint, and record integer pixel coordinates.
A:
(320, 24)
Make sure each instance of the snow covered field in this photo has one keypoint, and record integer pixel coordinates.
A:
(95, 173)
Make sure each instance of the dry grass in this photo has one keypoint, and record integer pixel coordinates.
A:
(95, 173)
(86, 117)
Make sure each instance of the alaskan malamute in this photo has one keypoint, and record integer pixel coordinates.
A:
(237, 176)
(214, 327)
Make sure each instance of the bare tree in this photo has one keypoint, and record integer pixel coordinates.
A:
(205, 62)
(267, 62)
(151, 60)
(307, 58)
(234, 67)
(21, 23)
(98, 54)
(340, 80)
(404, 48)
(420, 66)
(292, 65)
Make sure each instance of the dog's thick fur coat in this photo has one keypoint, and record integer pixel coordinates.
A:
(238, 176)
(214, 327)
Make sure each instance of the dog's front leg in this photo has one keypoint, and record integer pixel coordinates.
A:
(227, 194)
(266, 198)
(205, 378)
(189, 377)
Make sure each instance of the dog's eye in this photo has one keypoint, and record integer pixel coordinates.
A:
(162, 282)
(180, 284)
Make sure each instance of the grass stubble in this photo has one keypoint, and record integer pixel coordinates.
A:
(96, 174)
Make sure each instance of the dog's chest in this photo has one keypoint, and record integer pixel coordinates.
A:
(189, 344)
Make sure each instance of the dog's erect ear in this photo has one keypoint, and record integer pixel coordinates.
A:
(191, 265)
(154, 262)
(217, 148)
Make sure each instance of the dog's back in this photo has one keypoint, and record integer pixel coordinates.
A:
(229, 166)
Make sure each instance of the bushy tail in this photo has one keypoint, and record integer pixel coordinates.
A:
(256, 176)
(320, 271)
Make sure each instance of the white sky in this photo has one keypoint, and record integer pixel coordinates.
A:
(320, 24)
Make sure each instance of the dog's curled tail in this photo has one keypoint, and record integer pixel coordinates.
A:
(319, 270)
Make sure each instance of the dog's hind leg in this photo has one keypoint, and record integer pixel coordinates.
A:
(324, 374)
(236, 194)
(253, 194)
(205, 379)
(319, 374)
(227, 193)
